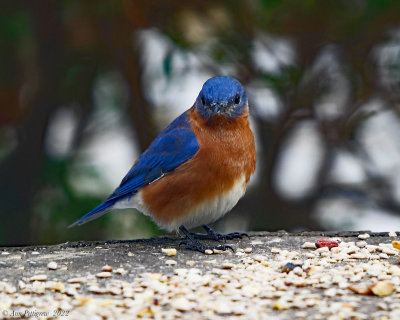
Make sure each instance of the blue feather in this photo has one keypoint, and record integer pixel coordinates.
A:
(175, 145)
(95, 213)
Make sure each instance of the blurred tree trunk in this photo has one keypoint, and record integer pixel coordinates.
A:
(125, 56)
(21, 171)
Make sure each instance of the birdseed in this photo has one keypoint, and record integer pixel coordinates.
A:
(107, 268)
(52, 265)
(169, 251)
(358, 279)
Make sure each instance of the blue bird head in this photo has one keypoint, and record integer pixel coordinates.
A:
(221, 96)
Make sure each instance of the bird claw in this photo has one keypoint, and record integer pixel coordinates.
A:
(233, 235)
(218, 237)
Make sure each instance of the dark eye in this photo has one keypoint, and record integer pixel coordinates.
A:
(203, 100)
(237, 99)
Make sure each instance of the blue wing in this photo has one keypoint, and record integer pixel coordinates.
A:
(172, 147)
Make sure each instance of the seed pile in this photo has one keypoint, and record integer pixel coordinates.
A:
(352, 278)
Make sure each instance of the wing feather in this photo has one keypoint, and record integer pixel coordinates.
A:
(175, 145)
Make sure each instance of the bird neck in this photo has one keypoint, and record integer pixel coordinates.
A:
(219, 122)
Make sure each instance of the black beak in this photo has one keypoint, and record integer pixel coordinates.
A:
(219, 108)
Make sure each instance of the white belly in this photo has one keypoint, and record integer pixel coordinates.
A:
(205, 213)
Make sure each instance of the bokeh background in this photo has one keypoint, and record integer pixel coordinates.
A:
(86, 85)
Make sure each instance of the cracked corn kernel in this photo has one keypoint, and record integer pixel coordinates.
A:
(396, 244)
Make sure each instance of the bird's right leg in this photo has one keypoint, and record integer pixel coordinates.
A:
(193, 244)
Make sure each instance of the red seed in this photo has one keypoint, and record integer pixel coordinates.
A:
(326, 243)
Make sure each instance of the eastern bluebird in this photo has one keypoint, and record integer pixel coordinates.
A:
(196, 169)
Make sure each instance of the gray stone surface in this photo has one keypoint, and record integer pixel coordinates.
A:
(138, 257)
(144, 255)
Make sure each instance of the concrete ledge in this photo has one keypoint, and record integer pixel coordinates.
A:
(128, 279)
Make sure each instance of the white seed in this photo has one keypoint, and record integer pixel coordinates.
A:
(383, 256)
(351, 249)
(335, 250)
(39, 277)
(170, 262)
(394, 270)
(107, 268)
(56, 286)
(298, 271)
(182, 304)
(223, 308)
(331, 292)
(52, 265)
(323, 249)
(363, 236)
(248, 250)
(227, 265)
(128, 292)
(208, 251)
(259, 258)
(104, 275)
(389, 251)
(77, 280)
(210, 261)
(218, 251)
(96, 289)
(382, 305)
(358, 256)
(121, 271)
(251, 290)
(169, 251)
(191, 263)
(361, 244)
(71, 291)
(374, 257)
(308, 245)
(281, 305)
(21, 284)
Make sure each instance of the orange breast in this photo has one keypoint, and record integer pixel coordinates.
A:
(226, 153)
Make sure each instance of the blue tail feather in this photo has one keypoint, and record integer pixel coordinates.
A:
(95, 213)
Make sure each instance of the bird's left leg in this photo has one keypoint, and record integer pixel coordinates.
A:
(192, 243)
(229, 236)
(212, 235)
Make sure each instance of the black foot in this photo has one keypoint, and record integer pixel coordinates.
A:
(193, 244)
(212, 235)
